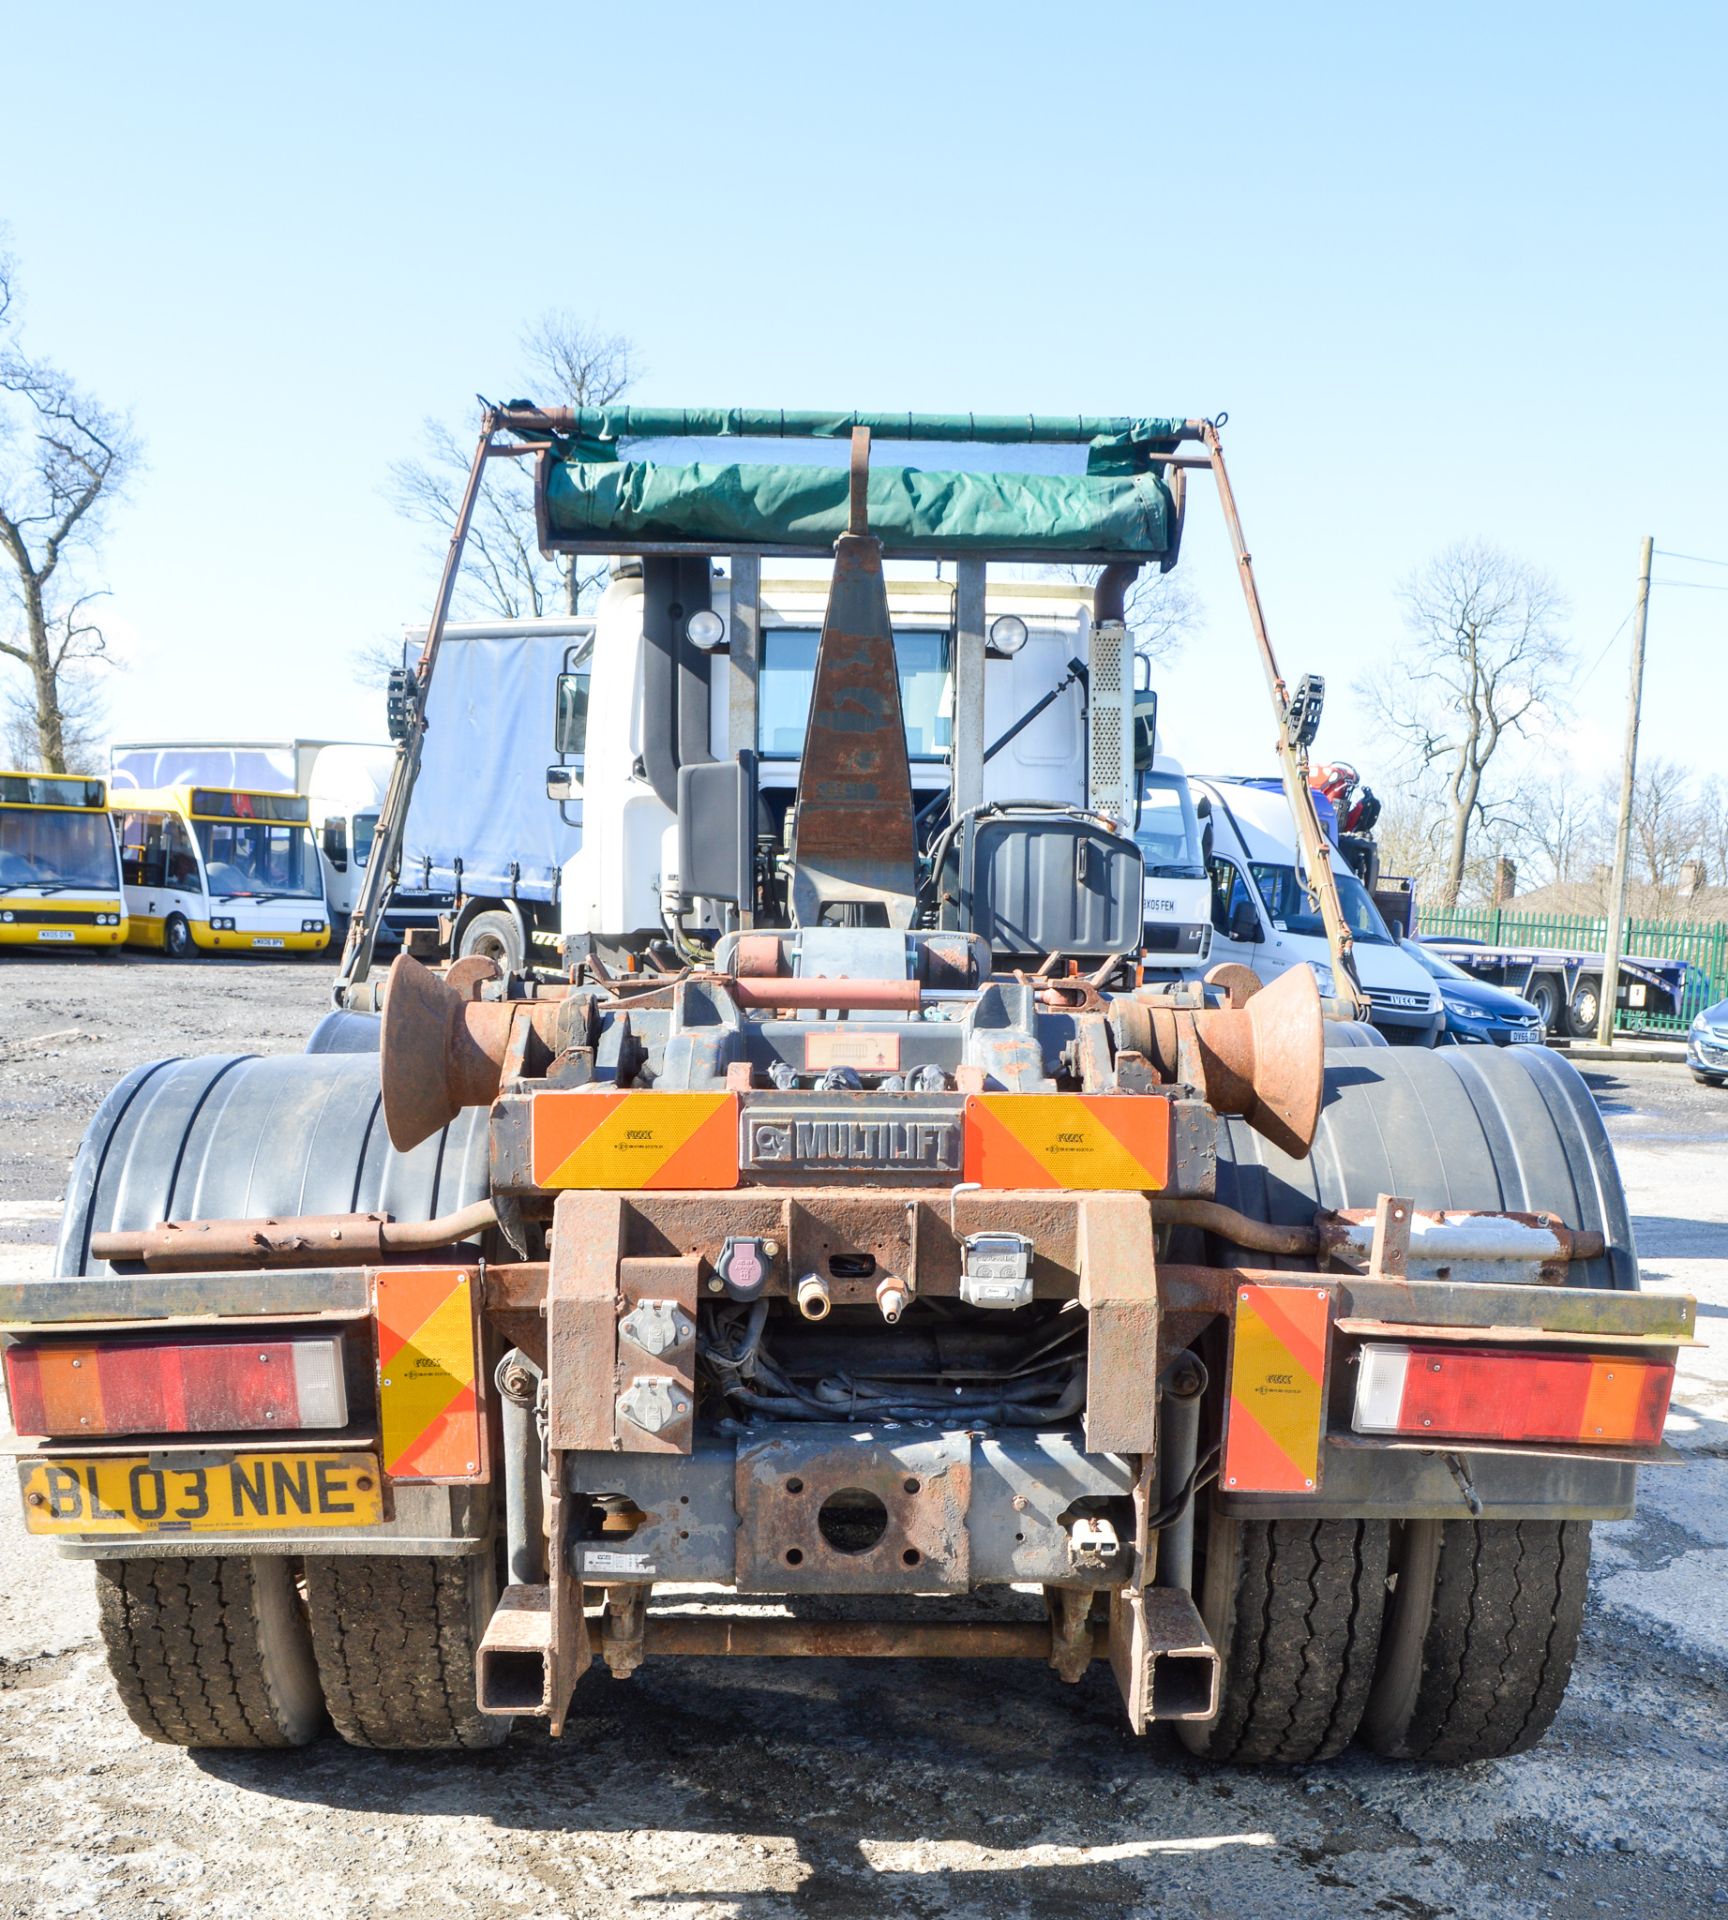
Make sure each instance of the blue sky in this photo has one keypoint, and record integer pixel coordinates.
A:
(1452, 270)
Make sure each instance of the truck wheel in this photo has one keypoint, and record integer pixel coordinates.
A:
(496, 937)
(1293, 1607)
(395, 1639)
(1547, 996)
(1585, 1010)
(210, 1652)
(1480, 1635)
(177, 941)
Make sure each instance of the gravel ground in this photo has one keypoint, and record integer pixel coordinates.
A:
(755, 1789)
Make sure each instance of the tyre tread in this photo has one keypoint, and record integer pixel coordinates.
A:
(1508, 1604)
(1303, 1634)
(395, 1642)
(184, 1648)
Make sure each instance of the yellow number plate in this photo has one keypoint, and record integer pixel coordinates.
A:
(226, 1493)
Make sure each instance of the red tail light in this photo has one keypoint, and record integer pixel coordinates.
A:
(206, 1386)
(1498, 1393)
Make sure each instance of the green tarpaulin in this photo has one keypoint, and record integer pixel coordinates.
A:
(1118, 505)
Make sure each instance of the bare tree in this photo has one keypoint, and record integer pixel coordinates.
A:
(1666, 823)
(567, 363)
(1483, 660)
(63, 459)
(1560, 830)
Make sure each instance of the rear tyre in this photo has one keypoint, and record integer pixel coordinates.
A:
(395, 1639)
(1585, 1010)
(177, 938)
(496, 937)
(210, 1652)
(1479, 1638)
(1294, 1608)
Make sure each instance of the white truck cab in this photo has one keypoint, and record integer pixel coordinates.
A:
(1262, 915)
(1074, 750)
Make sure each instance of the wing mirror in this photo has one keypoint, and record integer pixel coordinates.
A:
(563, 783)
(1244, 922)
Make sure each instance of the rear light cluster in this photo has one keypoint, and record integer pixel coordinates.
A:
(1485, 1393)
(212, 1386)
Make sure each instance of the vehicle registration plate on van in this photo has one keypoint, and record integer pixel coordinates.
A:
(209, 1493)
(260, 941)
(54, 933)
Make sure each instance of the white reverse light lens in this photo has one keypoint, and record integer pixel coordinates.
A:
(1007, 633)
(706, 630)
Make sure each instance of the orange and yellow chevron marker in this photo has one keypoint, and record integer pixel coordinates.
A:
(1089, 1141)
(429, 1411)
(631, 1141)
(1277, 1384)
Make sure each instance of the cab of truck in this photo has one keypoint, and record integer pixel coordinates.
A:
(1058, 733)
(1263, 916)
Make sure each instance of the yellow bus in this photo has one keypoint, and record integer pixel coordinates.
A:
(59, 869)
(221, 870)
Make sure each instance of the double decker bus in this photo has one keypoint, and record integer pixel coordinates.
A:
(221, 870)
(59, 870)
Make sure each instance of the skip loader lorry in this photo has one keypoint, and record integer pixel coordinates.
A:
(868, 1227)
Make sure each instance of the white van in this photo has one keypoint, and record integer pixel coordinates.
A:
(1262, 916)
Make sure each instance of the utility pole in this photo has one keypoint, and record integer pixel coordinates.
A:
(1623, 837)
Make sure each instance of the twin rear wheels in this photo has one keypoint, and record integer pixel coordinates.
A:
(253, 1651)
(1437, 1640)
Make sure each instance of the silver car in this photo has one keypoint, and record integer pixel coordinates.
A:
(1707, 1046)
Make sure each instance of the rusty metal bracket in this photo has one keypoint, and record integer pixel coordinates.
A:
(1119, 1290)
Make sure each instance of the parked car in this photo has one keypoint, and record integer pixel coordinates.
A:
(1707, 1046)
(1474, 1010)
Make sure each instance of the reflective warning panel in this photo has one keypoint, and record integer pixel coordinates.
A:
(1091, 1141)
(1277, 1389)
(428, 1409)
(634, 1140)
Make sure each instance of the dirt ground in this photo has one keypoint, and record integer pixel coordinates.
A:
(708, 1789)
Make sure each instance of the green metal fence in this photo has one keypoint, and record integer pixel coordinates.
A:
(1702, 945)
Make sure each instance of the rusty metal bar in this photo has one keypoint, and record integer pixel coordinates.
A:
(775, 1638)
(303, 1240)
(383, 865)
(1212, 1216)
(852, 996)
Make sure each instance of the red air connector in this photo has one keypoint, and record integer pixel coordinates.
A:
(1504, 1394)
(269, 1385)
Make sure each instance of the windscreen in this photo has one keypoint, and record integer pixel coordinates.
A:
(788, 677)
(259, 860)
(1167, 830)
(57, 850)
(1292, 912)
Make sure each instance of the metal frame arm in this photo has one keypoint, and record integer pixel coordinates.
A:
(1292, 761)
(384, 868)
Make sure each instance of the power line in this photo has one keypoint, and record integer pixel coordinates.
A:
(1697, 586)
(1603, 655)
(1698, 559)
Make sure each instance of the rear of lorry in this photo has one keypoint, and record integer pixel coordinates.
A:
(405, 1380)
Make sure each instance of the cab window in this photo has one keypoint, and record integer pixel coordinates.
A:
(1233, 911)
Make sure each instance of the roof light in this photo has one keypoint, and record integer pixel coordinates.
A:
(1007, 634)
(1501, 1394)
(706, 630)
